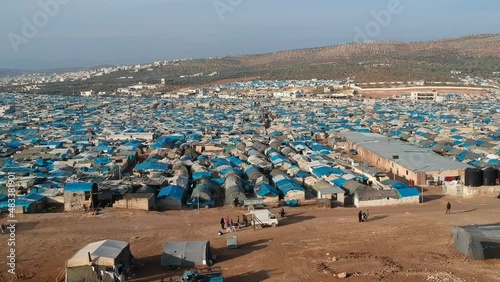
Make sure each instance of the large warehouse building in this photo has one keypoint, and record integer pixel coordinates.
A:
(407, 161)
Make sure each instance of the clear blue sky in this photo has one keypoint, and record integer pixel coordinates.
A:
(93, 32)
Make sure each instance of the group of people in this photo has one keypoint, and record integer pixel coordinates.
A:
(231, 226)
(363, 216)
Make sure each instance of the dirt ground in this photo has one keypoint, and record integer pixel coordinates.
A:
(403, 243)
(379, 93)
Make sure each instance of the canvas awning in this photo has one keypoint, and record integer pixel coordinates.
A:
(102, 253)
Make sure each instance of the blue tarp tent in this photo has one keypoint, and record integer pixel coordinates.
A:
(172, 191)
(79, 187)
(408, 192)
(266, 190)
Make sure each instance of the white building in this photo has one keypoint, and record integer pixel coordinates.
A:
(289, 94)
(86, 93)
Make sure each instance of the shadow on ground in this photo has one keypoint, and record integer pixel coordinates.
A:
(294, 218)
(429, 198)
(253, 276)
(377, 217)
(471, 210)
(149, 269)
(225, 254)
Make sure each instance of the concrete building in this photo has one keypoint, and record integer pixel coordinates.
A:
(78, 195)
(138, 201)
(407, 161)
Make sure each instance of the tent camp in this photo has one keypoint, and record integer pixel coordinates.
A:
(188, 253)
(478, 241)
(106, 259)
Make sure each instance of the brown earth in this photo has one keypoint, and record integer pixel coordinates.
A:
(405, 243)
(388, 92)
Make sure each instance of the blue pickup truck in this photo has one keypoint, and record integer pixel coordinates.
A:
(212, 274)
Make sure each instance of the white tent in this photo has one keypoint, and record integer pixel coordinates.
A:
(189, 253)
(478, 241)
(100, 261)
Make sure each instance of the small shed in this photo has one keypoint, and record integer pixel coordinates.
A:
(79, 194)
(187, 253)
(170, 198)
(409, 195)
(376, 198)
(324, 190)
(478, 242)
(106, 261)
(138, 201)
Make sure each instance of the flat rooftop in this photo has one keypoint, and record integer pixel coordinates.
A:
(410, 157)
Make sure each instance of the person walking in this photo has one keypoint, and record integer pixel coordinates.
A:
(448, 208)
(222, 222)
(360, 216)
(2, 227)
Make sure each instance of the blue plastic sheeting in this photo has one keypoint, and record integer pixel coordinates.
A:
(3, 198)
(292, 203)
(220, 162)
(339, 182)
(361, 177)
(267, 190)
(319, 172)
(171, 191)
(102, 161)
(226, 171)
(235, 161)
(275, 133)
(78, 187)
(18, 169)
(494, 162)
(279, 159)
(9, 162)
(152, 165)
(408, 192)
(34, 197)
(251, 168)
(302, 174)
(286, 185)
(399, 185)
(201, 174)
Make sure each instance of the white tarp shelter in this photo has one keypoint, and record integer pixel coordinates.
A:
(106, 260)
(188, 253)
(478, 241)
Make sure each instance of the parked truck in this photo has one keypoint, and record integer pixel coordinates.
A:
(213, 274)
(264, 218)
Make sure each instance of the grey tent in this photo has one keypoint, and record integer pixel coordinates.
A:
(352, 186)
(111, 257)
(478, 241)
(188, 253)
(233, 186)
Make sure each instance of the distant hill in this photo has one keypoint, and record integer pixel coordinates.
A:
(366, 62)
(476, 55)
